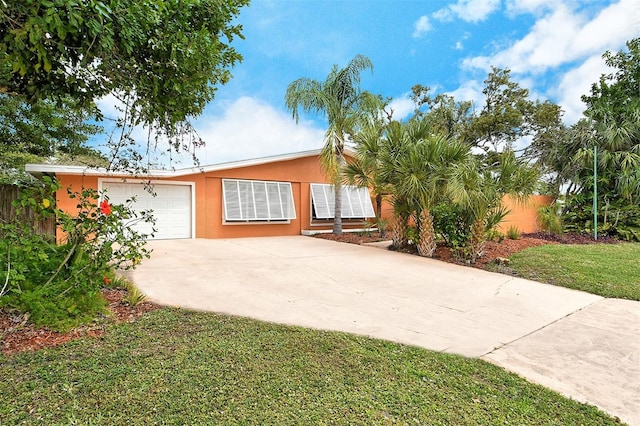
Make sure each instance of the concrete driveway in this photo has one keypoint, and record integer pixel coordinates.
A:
(581, 345)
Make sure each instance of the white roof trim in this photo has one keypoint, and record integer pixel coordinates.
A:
(160, 173)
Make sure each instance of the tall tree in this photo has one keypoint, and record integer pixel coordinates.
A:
(162, 60)
(340, 99)
(505, 116)
(614, 109)
(445, 115)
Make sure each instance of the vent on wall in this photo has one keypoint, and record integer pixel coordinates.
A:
(356, 202)
(255, 200)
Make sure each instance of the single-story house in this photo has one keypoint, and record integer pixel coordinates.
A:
(270, 196)
(279, 195)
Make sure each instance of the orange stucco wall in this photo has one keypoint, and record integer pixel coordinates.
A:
(208, 197)
(523, 214)
(75, 184)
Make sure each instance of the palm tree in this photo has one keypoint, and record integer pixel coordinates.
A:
(417, 164)
(339, 98)
(366, 168)
(476, 188)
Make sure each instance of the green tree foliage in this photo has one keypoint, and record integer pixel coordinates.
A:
(42, 130)
(508, 115)
(340, 99)
(162, 59)
(445, 115)
(505, 116)
(475, 190)
(437, 184)
(612, 124)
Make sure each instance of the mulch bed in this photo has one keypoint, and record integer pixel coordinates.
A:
(493, 249)
(17, 334)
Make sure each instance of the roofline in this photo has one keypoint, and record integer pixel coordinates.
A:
(38, 169)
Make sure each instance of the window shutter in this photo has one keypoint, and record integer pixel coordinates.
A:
(261, 201)
(232, 209)
(356, 202)
(275, 205)
(252, 200)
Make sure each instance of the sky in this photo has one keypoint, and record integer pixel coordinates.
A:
(552, 47)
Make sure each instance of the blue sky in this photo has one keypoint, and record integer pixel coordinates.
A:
(553, 48)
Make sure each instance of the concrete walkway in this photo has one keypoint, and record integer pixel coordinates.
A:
(581, 345)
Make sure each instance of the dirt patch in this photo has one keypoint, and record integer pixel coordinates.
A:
(353, 237)
(17, 334)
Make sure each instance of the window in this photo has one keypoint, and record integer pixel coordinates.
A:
(254, 200)
(356, 202)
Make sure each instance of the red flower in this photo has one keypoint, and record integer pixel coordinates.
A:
(105, 207)
(106, 280)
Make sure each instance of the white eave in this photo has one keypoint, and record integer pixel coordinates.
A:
(38, 169)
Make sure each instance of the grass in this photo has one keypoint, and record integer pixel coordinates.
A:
(609, 270)
(180, 367)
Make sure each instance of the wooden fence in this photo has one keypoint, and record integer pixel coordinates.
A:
(8, 214)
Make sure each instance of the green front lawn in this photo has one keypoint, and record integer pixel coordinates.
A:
(610, 270)
(180, 367)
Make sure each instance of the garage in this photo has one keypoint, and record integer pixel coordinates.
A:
(171, 205)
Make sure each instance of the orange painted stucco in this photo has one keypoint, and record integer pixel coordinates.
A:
(523, 215)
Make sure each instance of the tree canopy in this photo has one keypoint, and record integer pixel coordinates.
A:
(162, 59)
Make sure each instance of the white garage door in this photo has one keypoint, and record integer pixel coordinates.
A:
(171, 206)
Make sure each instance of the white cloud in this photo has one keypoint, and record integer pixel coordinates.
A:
(563, 36)
(402, 107)
(528, 6)
(567, 42)
(468, 10)
(459, 45)
(251, 128)
(247, 128)
(577, 82)
(470, 90)
(443, 15)
(421, 27)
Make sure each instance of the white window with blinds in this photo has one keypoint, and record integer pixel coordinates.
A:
(356, 202)
(257, 201)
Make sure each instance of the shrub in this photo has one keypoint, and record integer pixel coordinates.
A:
(59, 285)
(616, 218)
(513, 233)
(550, 220)
(133, 296)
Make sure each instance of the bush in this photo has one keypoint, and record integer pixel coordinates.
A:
(59, 285)
(616, 218)
(550, 220)
(513, 233)
(450, 224)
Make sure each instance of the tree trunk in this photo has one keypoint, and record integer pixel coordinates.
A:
(426, 239)
(378, 207)
(398, 231)
(337, 206)
(337, 209)
(476, 244)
